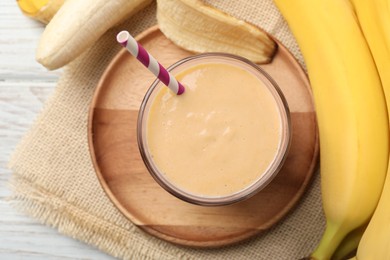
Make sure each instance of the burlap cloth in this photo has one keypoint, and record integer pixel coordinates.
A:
(54, 181)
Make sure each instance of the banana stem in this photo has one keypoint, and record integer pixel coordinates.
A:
(331, 239)
(348, 246)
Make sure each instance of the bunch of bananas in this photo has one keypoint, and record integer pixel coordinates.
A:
(346, 47)
(374, 17)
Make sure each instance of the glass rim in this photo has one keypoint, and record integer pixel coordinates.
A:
(255, 186)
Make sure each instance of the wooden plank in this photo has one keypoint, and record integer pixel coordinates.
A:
(24, 87)
(19, 37)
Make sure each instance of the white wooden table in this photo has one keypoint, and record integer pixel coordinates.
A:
(24, 87)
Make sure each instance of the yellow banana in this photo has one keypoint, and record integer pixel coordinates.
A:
(375, 242)
(348, 246)
(78, 24)
(197, 27)
(374, 19)
(41, 10)
(351, 113)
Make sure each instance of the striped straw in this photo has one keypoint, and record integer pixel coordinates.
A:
(127, 41)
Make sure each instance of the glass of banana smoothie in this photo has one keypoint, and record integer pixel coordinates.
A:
(221, 141)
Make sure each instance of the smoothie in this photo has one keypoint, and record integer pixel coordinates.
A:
(221, 136)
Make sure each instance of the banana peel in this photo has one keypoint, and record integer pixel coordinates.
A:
(40, 10)
(197, 27)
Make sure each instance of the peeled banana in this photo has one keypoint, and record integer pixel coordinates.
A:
(374, 19)
(41, 10)
(351, 113)
(78, 24)
(201, 28)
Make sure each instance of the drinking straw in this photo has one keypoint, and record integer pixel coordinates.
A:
(127, 41)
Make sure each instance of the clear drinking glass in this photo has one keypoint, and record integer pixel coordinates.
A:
(257, 185)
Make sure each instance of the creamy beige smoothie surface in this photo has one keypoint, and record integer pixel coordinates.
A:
(218, 137)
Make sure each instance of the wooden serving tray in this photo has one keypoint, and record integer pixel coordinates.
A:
(122, 174)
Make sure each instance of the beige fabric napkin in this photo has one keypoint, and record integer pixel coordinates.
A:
(54, 180)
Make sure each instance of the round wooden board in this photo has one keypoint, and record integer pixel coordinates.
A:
(120, 169)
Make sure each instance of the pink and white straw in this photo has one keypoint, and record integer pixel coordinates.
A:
(127, 41)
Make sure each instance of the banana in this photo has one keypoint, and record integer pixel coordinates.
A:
(351, 113)
(41, 10)
(78, 24)
(374, 244)
(197, 27)
(374, 19)
(348, 246)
